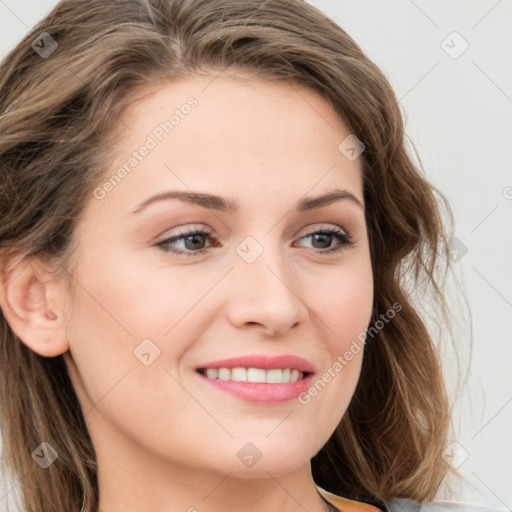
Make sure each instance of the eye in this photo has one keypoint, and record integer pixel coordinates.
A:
(325, 237)
(193, 241)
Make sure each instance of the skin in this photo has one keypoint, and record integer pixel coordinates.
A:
(165, 440)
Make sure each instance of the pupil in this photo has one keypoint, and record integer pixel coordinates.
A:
(323, 238)
(194, 239)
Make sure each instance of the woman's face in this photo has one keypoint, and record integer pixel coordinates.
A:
(274, 279)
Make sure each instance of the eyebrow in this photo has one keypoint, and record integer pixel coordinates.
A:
(213, 202)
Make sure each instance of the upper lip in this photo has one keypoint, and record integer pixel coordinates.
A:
(263, 362)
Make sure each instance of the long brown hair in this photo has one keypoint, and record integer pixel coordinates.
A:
(55, 113)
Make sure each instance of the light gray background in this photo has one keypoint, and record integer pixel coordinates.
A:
(458, 114)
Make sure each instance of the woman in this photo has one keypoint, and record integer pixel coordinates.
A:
(211, 230)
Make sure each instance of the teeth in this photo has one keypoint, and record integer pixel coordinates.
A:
(274, 376)
(239, 374)
(224, 373)
(212, 373)
(256, 375)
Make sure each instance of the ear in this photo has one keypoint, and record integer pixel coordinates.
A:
(31, 299)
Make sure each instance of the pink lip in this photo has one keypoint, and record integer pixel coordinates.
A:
(263, 362)
(265, 393)
(259, 392)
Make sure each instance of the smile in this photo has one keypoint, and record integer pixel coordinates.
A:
(254, 375)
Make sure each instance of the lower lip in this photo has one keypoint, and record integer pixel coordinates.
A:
(260, 392)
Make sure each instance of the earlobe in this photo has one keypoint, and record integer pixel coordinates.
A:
(30, 300)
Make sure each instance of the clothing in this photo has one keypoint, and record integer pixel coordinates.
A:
(438, 506)
(402, 505)
(346, 505)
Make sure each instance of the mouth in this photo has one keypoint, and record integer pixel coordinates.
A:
(254, 375)
(259, 378)
(267, 387)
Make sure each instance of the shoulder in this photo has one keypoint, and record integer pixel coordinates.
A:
(346, 505)
(403, 505)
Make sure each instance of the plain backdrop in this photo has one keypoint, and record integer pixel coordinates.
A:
(450, 65)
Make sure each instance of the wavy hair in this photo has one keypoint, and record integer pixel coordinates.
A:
(56, 119)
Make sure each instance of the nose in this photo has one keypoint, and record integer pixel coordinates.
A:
(266, 295)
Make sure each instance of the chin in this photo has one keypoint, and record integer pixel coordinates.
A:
(274, 467)
(277, 456)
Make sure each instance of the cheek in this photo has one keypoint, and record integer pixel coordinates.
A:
(344, 304)
(344, 307)
(126, 314)
(127, 297)
(350, 314)
(125, 370)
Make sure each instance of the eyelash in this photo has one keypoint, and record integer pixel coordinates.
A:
(344, 239)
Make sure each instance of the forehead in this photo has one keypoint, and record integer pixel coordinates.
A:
(231, 135)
